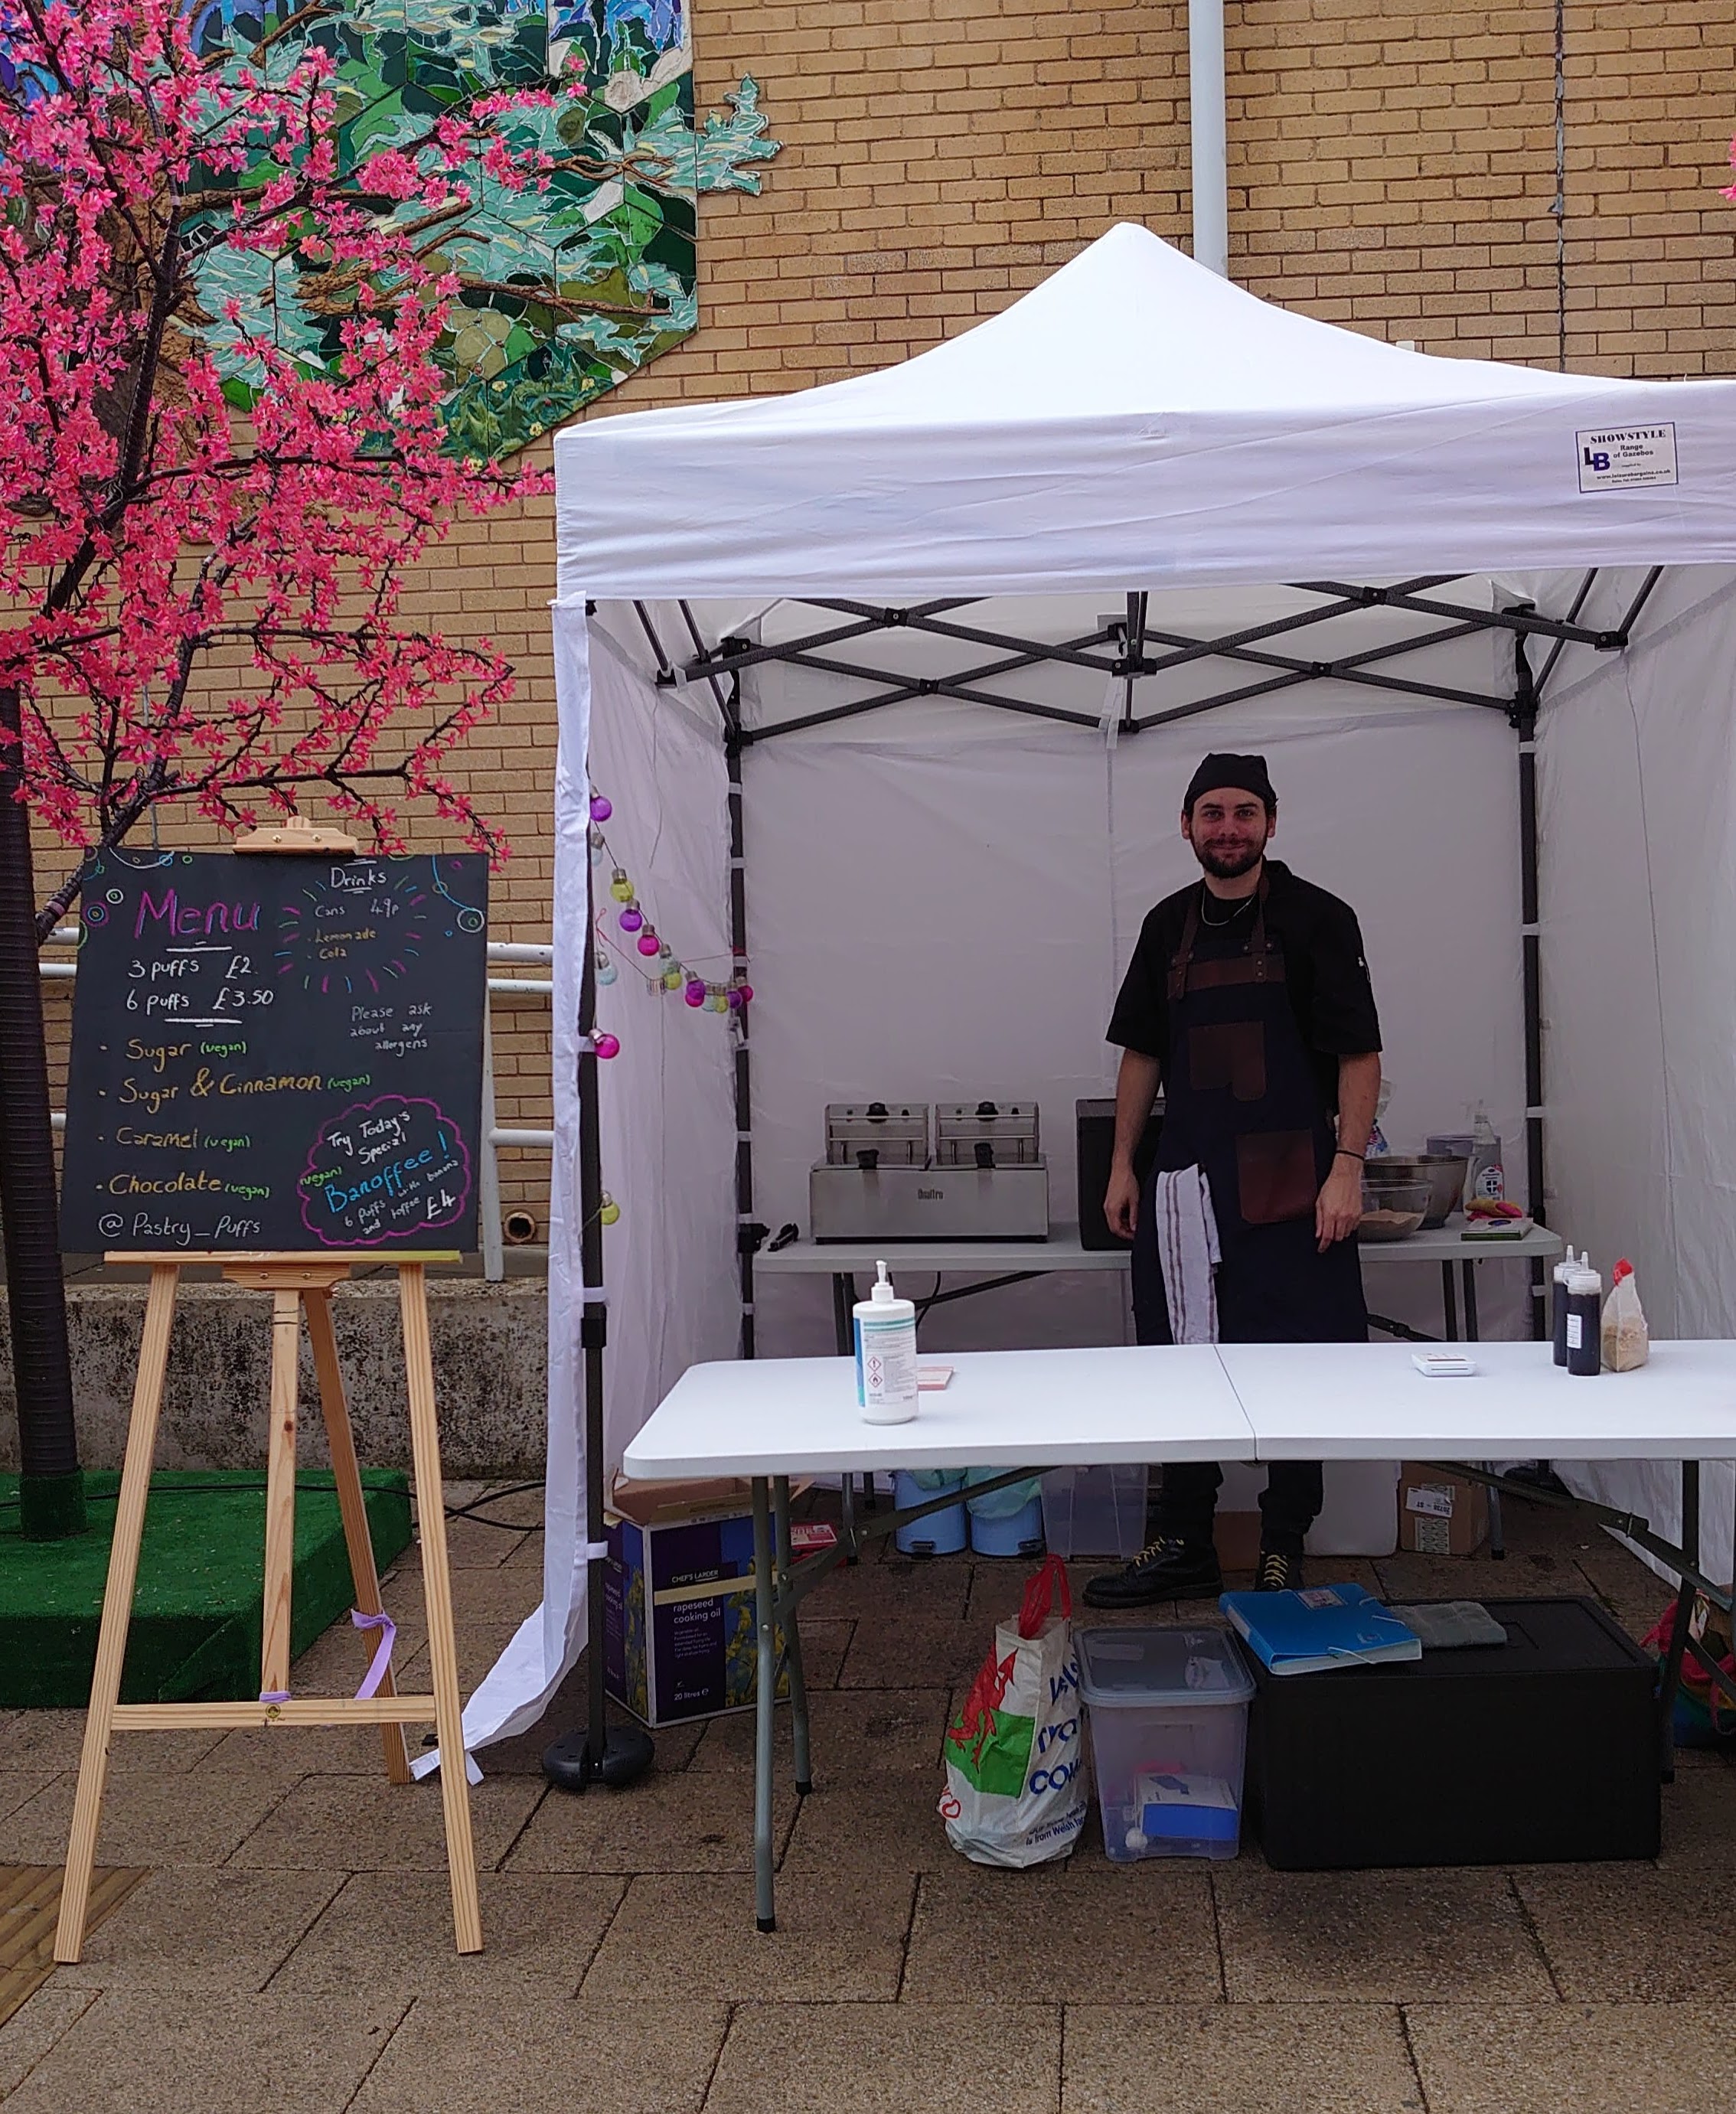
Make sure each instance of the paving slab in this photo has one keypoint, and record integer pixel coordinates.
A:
(1573, 2058)
(1700, 1813)
(364, 1825)
(932, 1652)
(1381, 1937)
(856, 1734)
(1523, 1574)
(683, 1935)
(793, 2059)
(32, 2031)
(210, 2054)
(889, 1823)
(220, 1933)
(19, 1787)
(897, 1587)
(1140, 1935)
(1256, 2058)
(148, 1819)
(1632, 1932)
(675, 1821)
(467, 2056)
(51, 1740)
(393, 1931)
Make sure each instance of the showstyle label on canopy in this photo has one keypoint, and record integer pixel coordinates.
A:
(277, 1053)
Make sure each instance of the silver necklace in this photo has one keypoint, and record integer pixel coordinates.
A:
(1218, 923)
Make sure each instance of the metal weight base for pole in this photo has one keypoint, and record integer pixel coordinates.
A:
(627, 1753)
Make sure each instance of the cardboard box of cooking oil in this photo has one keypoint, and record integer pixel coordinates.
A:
(1440, 1514)
(679, 1630)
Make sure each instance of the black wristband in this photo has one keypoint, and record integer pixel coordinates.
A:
(1344, 1152)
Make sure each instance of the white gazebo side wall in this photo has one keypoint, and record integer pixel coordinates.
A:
(1637, 801)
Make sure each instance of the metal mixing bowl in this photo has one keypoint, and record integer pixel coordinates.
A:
(1442, 1175)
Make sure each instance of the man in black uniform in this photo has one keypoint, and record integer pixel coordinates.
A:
(1248, 999)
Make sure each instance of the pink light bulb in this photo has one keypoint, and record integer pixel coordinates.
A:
(608, 1045)
(695, 993)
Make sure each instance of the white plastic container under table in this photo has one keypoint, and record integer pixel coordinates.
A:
(1168, 1711)
(1094, 1512)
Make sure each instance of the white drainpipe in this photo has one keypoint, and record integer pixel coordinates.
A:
(1206, 147)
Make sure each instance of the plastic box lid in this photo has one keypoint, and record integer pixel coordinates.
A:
(1121, 1669)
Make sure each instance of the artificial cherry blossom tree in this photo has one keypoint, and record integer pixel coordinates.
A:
(221, 445)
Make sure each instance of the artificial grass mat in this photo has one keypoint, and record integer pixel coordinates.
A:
(195, 1633)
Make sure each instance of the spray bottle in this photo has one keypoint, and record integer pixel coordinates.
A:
(1485, 1180)
(885, 1354)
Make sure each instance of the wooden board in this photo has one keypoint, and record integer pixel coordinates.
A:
(276, 1053)
(29, 1901)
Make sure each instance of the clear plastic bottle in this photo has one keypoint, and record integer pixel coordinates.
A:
(885, 1354)
(1485, 1180)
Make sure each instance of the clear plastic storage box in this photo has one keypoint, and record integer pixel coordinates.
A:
(1169, 1729)
(1094, 1512)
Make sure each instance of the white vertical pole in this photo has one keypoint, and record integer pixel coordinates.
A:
(494, 1253)
(1207, 148)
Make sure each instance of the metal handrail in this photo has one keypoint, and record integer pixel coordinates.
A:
(529, 952)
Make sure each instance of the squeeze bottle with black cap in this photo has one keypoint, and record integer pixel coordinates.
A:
(1568, 1262)
(1584, 1318)
(885, 1354)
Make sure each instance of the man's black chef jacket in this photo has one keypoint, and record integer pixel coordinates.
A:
(1324, 971)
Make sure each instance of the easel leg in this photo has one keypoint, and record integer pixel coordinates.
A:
(437, 1584)
(347, 1475)
(280, 1495)
(117, 1609)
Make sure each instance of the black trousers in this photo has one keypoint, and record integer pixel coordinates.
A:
(1186, 1499)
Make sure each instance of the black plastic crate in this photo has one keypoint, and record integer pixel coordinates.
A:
(1541, 1750)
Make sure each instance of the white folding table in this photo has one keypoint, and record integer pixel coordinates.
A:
(997, 1264)
(1027, 1411)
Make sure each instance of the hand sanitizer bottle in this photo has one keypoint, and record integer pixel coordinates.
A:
(885, 1354)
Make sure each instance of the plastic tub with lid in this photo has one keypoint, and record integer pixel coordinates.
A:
(1168, 1709)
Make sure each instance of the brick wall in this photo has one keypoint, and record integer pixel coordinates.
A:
(1392, 167)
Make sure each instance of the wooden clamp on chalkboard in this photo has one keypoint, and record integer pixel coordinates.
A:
(300, 1285)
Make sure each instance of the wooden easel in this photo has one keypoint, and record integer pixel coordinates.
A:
(299, 1284)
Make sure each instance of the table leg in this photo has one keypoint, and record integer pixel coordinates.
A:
(843, 1337)
(1473, 1333)
(765, 1704)
(870, 1496)
(1689, 1541)
(792, 1639)
(1449, 1303)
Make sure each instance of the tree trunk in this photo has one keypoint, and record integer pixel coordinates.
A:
(52, 1490)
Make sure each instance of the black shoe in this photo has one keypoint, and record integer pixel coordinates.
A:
(1166, 1569)
(1277, 1573)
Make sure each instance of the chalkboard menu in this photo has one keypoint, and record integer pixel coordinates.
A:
(277, 1052)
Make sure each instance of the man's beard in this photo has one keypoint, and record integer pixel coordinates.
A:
(1230, 864)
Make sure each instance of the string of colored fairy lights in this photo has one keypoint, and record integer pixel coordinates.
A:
(639, 944)
(651, 955)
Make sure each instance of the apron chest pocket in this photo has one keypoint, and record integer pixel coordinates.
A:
(1276, 1176)
(1229, 1054)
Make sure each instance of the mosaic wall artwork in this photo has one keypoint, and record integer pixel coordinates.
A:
(566, 292)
